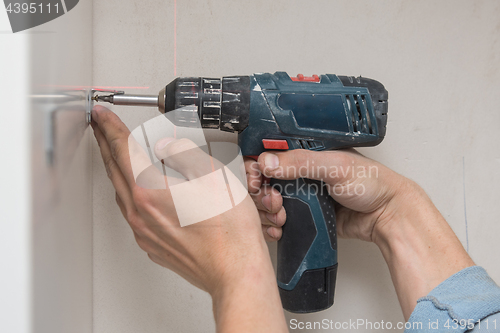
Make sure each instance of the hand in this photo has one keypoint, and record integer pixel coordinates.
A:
(224, 255)
(267, 200)
(374, 204)
(362, 187)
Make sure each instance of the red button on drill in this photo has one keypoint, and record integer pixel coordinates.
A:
(301, 77)
(275, 144)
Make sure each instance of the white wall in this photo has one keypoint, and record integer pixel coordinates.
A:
(61, 63)
(46, 239)
(439, 61)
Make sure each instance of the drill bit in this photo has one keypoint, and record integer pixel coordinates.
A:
(99, 98)
(133, 100)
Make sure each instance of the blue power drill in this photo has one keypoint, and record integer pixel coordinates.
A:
(279, 112)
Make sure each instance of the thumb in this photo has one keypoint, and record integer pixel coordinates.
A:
(185, 157)
(354, 180)
(302, 163)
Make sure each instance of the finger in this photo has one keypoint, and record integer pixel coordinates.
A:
(353, 180)
(210, 184)
(131, 215)
(121, 205)
(309, 164)
(254, 176)
(129, 212)
(114, 172)
(185, 157)
(268, 199)
(271, 234)
(178, 267)
(160, 261)
(273, 220)
(116, 134)
(146, 174)
(267, 237)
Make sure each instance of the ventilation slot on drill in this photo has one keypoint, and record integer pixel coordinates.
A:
(360, 116)
(311, 144)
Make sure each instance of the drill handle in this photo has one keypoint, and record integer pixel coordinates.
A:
(307, 250)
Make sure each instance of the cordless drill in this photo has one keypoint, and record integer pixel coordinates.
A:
(279, 112)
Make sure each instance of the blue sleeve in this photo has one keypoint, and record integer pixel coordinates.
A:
(468, 301)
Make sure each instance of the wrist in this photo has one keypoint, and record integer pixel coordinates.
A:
(245, 270)
(420, 248)
(408, 208)
(249, 301)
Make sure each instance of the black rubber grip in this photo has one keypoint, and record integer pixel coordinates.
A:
(305, 271)
(299, 232)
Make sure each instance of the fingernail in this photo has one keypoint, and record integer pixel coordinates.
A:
(266, 201)
(271, 161)
(271, 217)
(162, 143)
(270, 232)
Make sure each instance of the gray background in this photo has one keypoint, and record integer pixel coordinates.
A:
(439, 61)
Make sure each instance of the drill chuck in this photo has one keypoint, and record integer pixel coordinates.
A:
(220, 103)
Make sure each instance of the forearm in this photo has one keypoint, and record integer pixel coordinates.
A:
(418, 245)
(250, 302)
